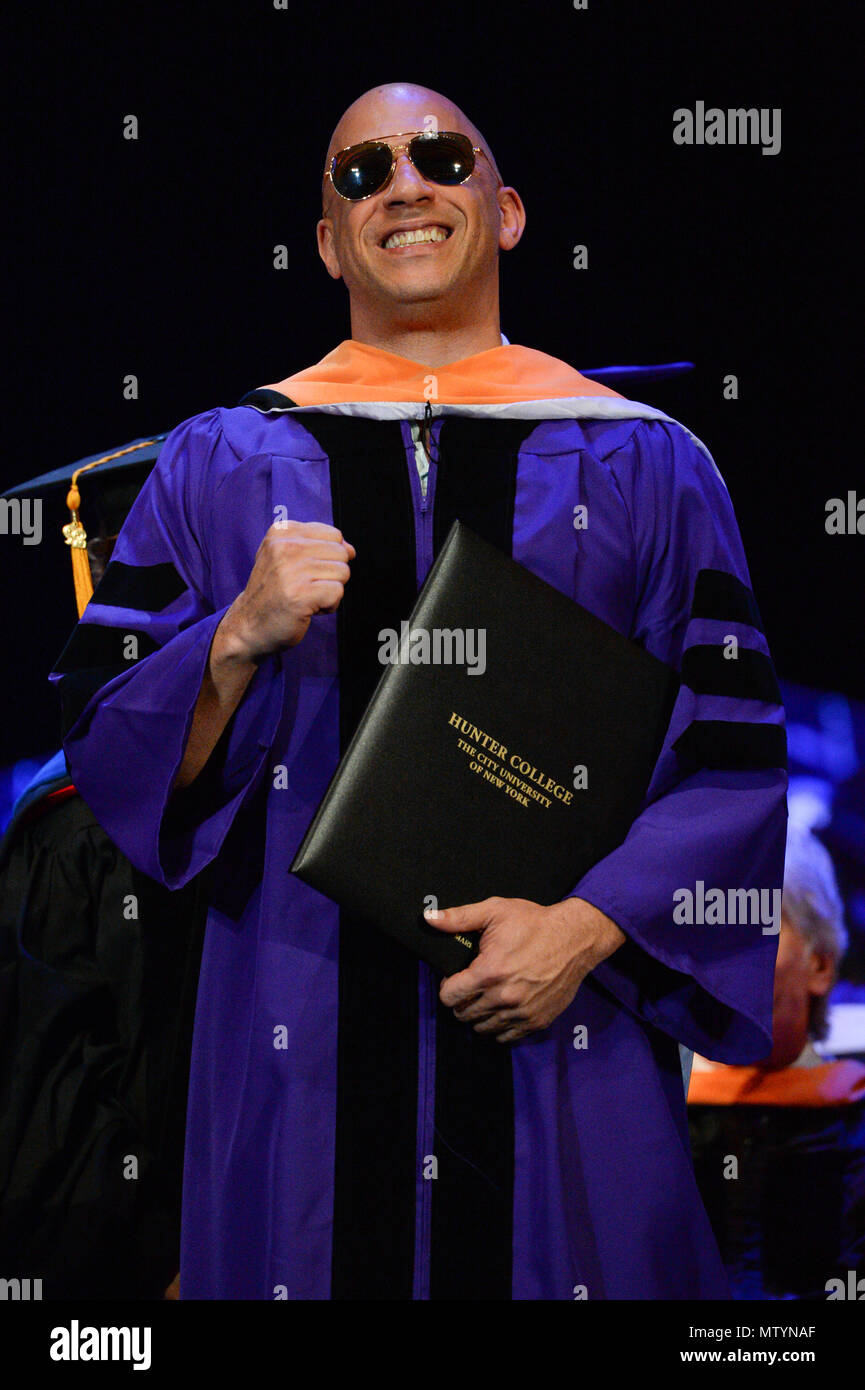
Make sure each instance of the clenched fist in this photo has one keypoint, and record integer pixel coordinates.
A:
(301, 568)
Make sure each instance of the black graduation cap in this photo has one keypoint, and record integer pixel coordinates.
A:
(93, 497)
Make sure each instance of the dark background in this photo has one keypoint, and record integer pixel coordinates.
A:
(154, 256)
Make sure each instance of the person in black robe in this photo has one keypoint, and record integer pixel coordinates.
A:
(98, 973)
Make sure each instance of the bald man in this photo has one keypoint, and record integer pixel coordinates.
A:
(357, 1127)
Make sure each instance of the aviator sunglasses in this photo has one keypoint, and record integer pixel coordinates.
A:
(444, 156)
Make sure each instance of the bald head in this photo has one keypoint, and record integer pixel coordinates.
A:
(401, 106)
(419, 258)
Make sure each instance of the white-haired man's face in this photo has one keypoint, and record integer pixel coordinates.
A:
(801, 973)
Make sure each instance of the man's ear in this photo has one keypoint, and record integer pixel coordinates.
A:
(822, 975)
(513, 216)
(327, 248)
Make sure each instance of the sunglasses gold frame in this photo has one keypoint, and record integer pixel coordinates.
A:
(395, 150)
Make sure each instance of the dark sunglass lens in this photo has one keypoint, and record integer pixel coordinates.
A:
(361, 172)
(443, 158)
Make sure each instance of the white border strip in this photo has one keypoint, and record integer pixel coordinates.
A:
(546, 408)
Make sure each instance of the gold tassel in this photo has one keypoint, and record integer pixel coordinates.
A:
(76, 538)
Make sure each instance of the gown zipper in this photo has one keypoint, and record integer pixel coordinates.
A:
(423, 499)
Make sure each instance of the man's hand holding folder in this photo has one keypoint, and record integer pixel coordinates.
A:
(531, 962)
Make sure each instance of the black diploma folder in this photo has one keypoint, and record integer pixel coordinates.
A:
(501, 764)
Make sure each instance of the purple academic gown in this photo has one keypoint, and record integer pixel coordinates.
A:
(346, 1136)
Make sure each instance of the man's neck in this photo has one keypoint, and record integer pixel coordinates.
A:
(433, 347)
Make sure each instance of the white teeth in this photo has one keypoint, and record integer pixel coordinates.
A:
(411, 238)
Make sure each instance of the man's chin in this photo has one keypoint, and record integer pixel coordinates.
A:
(416, 290)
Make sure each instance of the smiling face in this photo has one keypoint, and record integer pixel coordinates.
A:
(417, 253)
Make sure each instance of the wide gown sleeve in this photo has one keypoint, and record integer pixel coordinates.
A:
(131, 673)
(715, 811)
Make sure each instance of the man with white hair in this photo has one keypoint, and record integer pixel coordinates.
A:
(779, 1147)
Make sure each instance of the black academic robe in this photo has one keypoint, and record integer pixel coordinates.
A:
(98, 970)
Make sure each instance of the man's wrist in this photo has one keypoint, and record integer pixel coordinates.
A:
(230, 650)
(585, 918)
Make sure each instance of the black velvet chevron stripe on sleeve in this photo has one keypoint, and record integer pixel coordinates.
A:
(723, 596)
(745, 675)
(147, 587)
(93, 656)
(729, 744)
